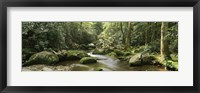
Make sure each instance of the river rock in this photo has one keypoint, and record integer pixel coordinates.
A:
(46, 69)
(71, 55)
(79, 67)
(112, 55)
(76, 55)
(43, 57)
(141, 59)
(88, 60)
(135, 60)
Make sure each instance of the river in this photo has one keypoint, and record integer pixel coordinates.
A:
(108, 64)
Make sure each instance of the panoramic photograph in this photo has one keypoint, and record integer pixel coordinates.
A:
(99, 46)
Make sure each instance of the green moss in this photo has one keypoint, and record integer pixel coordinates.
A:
(88, 60)
(112, 54)
(43, 57)
(71, 55)
(174, 57)
(119, 52)
(171, 65)
(148, 60)
(136, 63)
(127, 53)
(122, 52)
(77, 54)
(138, 60)
(26, 54)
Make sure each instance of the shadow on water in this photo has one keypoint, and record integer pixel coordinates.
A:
(108, 64)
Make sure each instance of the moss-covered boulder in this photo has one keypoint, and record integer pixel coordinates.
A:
(43, 57)
(88, 60)
(135, 60)
(142, 59)
(76, 54)
(112, 55)
(71, 55)
(148, 60)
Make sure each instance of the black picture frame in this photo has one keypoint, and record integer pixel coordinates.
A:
(98, 3)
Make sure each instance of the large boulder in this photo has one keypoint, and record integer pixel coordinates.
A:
(142, 59)
(112, 55)
(71, 55)
(88, 60)
(76, 54)
(135, 60)
(43, 57)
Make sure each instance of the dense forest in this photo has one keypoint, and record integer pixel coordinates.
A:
(99, 46)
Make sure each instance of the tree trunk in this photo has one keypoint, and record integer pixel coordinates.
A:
(166, 49)
(146, 34)
(128, 37)
(123, 37)
(153, 32)
(164, 43)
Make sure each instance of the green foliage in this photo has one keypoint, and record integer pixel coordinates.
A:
(26, 53)
(43, 57)
(88, 60)
(42, 36)
(122, 52)
(171, 65)
(141, 48)
(116, 39)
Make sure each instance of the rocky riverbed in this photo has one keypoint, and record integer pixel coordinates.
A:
(41, 67)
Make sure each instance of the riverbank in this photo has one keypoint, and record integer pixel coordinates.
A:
(104, 63)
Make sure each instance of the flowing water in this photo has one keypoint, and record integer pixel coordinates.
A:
(108, 64)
